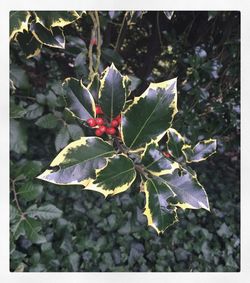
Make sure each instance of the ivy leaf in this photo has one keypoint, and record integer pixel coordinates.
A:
(75, 131)
(29, 44)
(155, 161)
(116, 177)
(189, 192)
(112, 92)
(157, 209)
(16, 111)
(33, 111)
(19, 77)
(18, 137)
(156, 106)
(79, 100)
(77, 162)
(52, 38)
(18, 22)
(56, 18)
(48, 121)
(62, 138)
(175, 143)
(201, 151)
(32, 227)
(30, 191)
(44, 212)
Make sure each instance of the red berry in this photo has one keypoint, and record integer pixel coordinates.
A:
(114, 123)
(118, 119)
(110, 131)
(99, 121)
(93, 41)
(103, 129)
(99, 110)
(166, 154)
(91, 122)
(98, 132)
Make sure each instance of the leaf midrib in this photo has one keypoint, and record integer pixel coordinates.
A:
(143, 126)
(100, 155)
(114, 176)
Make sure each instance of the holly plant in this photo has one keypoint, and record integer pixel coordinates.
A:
(124, 146)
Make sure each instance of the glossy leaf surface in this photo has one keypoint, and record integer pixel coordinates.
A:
(18, 22)
(79, 100)
(151, 114)
(157, 210)
(201, 151)
(116, 177)
(77, 162)
(112, 92)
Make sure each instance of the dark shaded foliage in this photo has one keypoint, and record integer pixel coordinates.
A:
(81, 231)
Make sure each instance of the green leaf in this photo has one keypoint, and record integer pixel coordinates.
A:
(56, 18)
(151, 114)
(155, 161)
(74, 260)
(16, 111)
(33, 111)
(76, 163)
(201, 151)
(189, 192)
(75, 131)
(28, 168)
(19, 77)
(31, 228)
(79, 100)
(14, 214)
(94, 86)
(175, 143)
(62, 138)
(30, 191)
(157, 209)
(29, 44)
(48, 121)
(18, 22)
(18, 137)
(44, 212)
(112, 92)
(111, 56)
(116, 177)
(52, 38)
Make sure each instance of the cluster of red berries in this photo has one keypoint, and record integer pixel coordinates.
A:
(100, 123)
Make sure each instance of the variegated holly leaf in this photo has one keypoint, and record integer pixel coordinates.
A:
(77, 162)
(158, 211)
(79, 100)
(189, 192)
(156, 162)
(150, 115)
(112, 92)
(201, 151)
(52, 38)
(116, 177)
(18, 22)
(175, 143)
(29, 44)
(56, 18)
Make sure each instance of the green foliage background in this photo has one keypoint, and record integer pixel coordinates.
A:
(77, 230)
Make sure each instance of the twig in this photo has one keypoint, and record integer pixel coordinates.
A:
(122, 29)
(13, 188)
(98, 47)
(158, 28)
